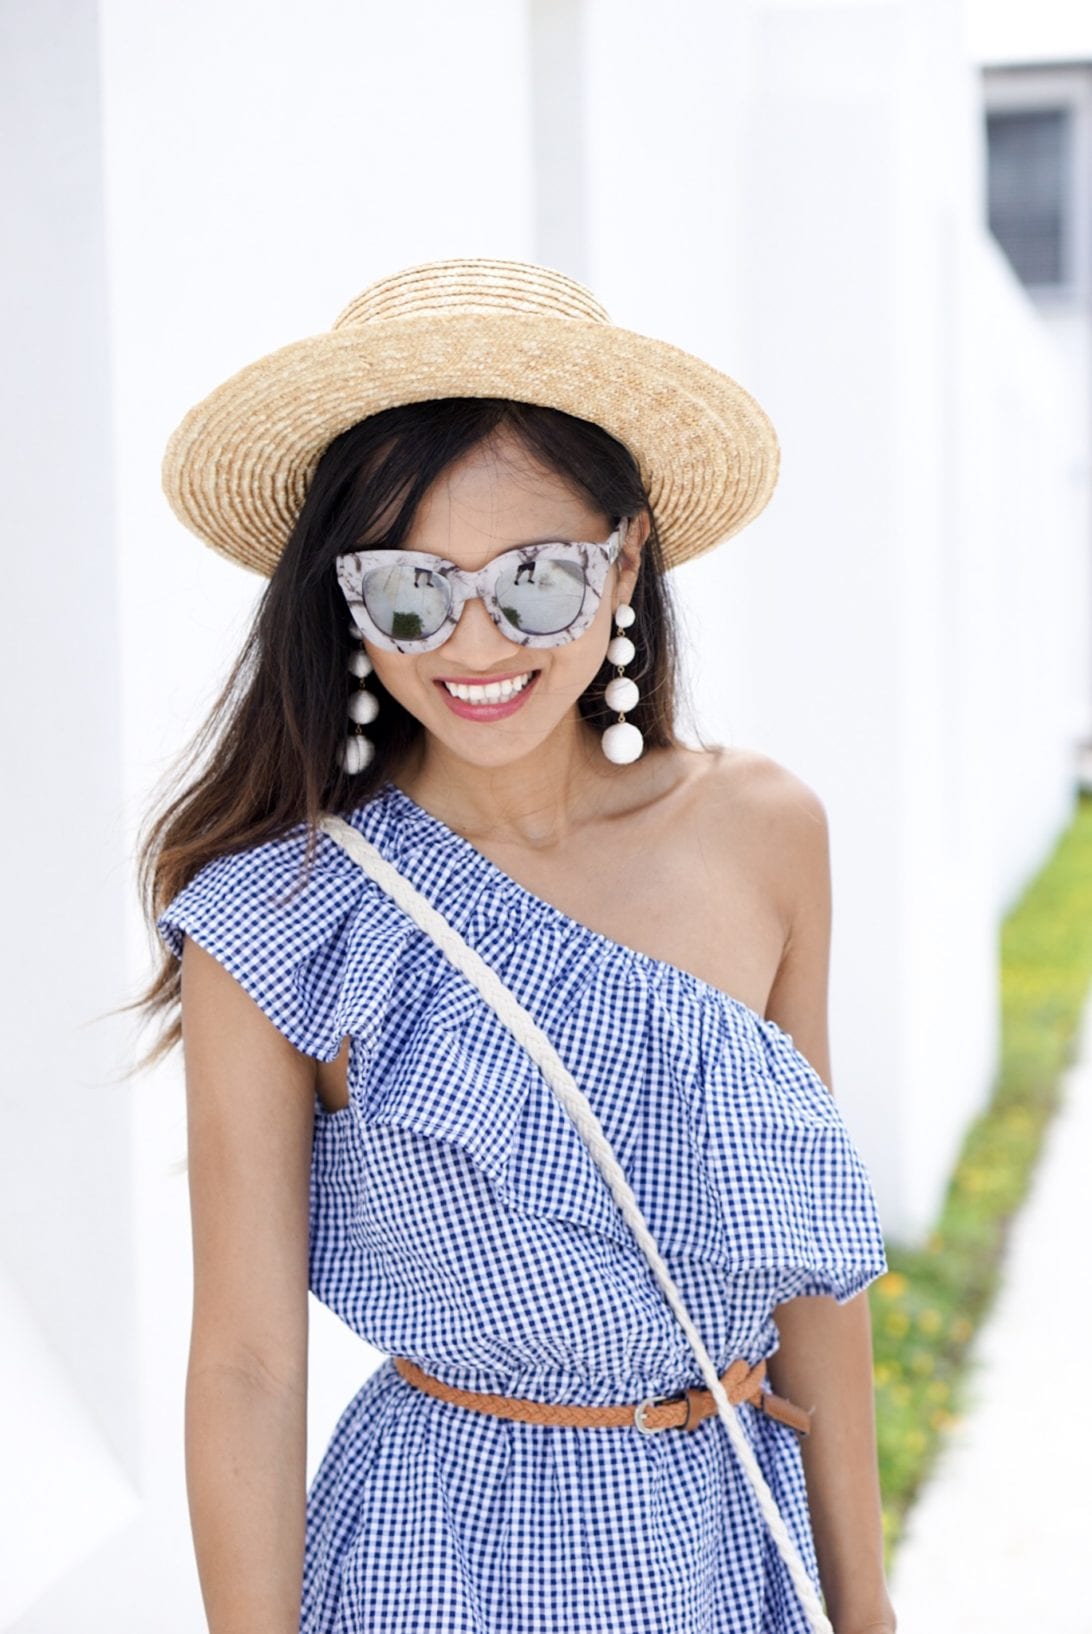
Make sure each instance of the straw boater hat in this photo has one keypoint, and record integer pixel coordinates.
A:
(237, 468)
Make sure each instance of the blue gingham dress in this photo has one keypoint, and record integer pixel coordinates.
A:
(457, 1218)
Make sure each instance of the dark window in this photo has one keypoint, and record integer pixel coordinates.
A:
(1028, 162)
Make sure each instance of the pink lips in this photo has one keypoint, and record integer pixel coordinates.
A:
(488, 711)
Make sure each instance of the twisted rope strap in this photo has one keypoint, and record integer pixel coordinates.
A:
(523, 1026)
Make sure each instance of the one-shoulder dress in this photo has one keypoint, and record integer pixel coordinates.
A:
(457, 1218)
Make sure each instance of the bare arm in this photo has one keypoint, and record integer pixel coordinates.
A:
(250, 1104)
(825, 1361)
(825, 1354)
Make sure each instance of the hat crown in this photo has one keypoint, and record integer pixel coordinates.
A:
(459, 287)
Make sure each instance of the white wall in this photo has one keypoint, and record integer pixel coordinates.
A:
(1003, 31)
(258, 174)
(69, 1422)
(1064, 312)
(902, 627)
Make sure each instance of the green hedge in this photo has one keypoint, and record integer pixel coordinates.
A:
(926, 1309)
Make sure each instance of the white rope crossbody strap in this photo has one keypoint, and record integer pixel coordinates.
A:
(526, 1030)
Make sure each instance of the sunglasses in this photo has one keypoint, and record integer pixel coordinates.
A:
(537, 595)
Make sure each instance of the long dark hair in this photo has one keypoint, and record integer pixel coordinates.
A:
(265, 759)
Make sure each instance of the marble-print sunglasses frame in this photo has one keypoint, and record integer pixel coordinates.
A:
(594, 557)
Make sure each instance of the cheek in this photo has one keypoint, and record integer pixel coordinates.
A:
(395, 671)
(573, 667)
(579, 662)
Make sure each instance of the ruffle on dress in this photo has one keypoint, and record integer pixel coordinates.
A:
(689, 1082)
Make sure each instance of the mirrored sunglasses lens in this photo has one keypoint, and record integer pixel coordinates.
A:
(407, 603)
(542, 596)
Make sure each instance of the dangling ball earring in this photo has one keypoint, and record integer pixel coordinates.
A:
(623, 741)
(357, 751)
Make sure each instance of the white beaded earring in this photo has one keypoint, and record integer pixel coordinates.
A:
(357, 751)
(623, 741)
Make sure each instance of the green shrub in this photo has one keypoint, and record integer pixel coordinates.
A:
(926, 1310)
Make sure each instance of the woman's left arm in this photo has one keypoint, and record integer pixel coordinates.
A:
(824, 1360)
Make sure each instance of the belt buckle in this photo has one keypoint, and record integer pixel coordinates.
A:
(639, 1412)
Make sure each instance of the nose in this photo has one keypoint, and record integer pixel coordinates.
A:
(476, 639)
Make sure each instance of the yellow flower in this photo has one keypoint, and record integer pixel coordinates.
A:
(897, 1323)
(930, 1320)
(892, 1285)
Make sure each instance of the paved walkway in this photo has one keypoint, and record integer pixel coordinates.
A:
(1000, 1541)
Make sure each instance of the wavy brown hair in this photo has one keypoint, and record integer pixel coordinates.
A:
(265, 759)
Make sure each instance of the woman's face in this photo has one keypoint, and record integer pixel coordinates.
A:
(494, 498)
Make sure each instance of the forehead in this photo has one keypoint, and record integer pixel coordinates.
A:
(500, 490)
(496, 496)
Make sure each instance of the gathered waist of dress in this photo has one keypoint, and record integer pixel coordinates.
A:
(684, 1411)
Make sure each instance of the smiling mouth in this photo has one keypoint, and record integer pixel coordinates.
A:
(498, 691)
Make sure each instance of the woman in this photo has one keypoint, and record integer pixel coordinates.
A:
(462, 488)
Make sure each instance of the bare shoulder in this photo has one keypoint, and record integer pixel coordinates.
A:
(770, 831)
(739, 772)
(750, 789)
(766, 825)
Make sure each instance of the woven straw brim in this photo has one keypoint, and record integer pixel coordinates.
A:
(237, 468)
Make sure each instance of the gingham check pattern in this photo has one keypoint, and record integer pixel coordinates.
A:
(458, 1218)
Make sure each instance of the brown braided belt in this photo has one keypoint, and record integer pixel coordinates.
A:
(683, 1412)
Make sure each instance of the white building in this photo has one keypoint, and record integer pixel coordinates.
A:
(797, 192)
(1039, 192)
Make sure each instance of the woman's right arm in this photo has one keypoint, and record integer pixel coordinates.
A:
(250, 1106)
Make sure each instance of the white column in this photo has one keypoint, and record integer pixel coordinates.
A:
(69, 1423)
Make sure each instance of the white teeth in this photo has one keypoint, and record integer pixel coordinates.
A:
(496, 692)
